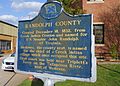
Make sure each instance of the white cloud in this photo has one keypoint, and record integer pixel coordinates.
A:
(26, 5)
(34, 13)
(29, 16)
(9, 19)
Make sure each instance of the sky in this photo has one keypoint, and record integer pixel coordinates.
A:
(12, 11)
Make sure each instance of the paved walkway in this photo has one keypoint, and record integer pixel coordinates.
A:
(5, 77)
(17, 80)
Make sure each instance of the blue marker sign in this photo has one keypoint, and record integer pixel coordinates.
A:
(55, 44)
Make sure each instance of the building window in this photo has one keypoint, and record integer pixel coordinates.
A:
(5, 45)
(99, 33)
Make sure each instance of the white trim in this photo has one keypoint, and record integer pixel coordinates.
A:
(94, 66)
(99, 44)
(98, 22)
(93, 2)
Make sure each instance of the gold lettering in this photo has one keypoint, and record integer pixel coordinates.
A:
(68, 23)
(50, 24)
(69, 38)
(80, 30)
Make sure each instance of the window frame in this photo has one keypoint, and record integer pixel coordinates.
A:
(99, 24)
(5, 45)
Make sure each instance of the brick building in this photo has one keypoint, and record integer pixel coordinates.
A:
(8, 36)
(97, 7)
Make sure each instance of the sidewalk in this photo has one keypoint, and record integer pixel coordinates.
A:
(17, 79)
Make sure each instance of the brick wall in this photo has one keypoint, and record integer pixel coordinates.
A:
(96, 8)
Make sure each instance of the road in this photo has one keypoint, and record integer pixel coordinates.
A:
(10, 78)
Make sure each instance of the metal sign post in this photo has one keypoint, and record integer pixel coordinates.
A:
(49, 81)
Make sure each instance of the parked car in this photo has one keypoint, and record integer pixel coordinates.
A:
(8, 63)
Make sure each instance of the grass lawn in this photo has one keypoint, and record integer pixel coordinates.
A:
(107, 75)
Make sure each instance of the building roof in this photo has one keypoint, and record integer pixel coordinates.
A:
(8, 24)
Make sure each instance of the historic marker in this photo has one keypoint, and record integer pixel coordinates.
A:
(57, 45)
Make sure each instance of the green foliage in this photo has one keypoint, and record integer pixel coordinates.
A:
(113, 51)
(72, 7)
(66, 2)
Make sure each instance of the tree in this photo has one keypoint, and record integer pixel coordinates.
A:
(111, 20)
(73, 7)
